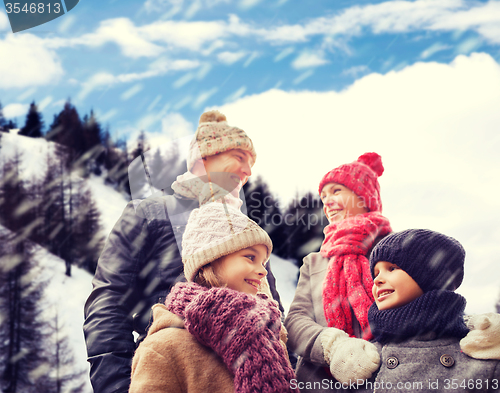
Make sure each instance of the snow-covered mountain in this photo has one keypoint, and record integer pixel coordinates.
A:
(67, 295)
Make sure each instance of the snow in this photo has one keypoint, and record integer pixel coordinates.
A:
(66, 296)
(110, 203)
(286, 274)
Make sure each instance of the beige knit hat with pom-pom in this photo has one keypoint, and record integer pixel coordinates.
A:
(215, 136)
(215, 230)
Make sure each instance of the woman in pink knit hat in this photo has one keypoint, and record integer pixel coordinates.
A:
(220, 331)
(328, 318)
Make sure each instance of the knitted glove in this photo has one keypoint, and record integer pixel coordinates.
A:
(483, 341)
(244, 330)
(349, 358)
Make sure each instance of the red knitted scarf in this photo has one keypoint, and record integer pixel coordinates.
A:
(348, 282)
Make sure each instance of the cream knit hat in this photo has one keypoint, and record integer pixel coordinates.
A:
(215, 136)
(215, 230)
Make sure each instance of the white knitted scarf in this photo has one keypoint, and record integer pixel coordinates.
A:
(193, 187)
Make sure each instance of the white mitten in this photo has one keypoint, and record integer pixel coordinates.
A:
(349, 358)
(483, 340)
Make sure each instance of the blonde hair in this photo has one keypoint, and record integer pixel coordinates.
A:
(206, 276)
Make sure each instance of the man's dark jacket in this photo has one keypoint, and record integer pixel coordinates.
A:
(139, 264)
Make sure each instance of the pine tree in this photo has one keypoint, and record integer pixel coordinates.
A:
(142, 146)
(116, 163)
(23, 365)
(93, 144)
(88, 240)
(12, 194)
(264, 209)
(52, 206)
(67, 130)
(11, 125)
(63, 376)
(3, 122)
(34, 123)
(305, 221)
(165, 166)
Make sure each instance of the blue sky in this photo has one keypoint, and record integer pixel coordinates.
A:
(134, 61)
(314, 83)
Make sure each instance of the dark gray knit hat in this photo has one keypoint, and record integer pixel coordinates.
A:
(433, 260)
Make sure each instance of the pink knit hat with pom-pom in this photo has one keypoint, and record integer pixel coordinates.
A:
(361, 177)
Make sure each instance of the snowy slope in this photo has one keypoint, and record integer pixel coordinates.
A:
(66, 296)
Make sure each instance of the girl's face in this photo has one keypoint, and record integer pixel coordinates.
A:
(339, 202)
(243, 270)
(393, 287)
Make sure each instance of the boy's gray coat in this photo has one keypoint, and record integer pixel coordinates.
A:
(424, 365)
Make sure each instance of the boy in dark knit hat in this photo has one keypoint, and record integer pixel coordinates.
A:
(417, 318)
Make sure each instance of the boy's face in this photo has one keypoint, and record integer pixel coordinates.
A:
(243, 270)
(230, 169)
(339, 202)
(393, 287)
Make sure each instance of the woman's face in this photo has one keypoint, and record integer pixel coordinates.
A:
(339, 202)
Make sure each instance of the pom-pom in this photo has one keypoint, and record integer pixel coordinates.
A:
(212, 116)
(374, 161)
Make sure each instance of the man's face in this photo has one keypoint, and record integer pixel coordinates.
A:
(230, 169)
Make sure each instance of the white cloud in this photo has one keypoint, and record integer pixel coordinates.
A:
(15, 110)
(246, 4)
(126, 95)
(251, 58)
(356, 71)
(168, 7)
(19, 53)
(203, 97)
(468, 46)
(44, 103)
(104, 117)
(427, 102)
(302, 77)
(157, 68)
(229, 58)
(308, 59)
(237, 94)
(397, 17)
(284, 53)
(120, 31)
(193, 36)
(186, 78)
(4, 21)
(434, 48)
(66, 23)
(436, 128)
(176, 126)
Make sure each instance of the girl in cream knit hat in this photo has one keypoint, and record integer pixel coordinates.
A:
(217, 332)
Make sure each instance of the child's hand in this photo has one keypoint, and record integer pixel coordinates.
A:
(349, 358)
(483, 341)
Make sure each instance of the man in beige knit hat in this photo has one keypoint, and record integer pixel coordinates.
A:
(141, 259)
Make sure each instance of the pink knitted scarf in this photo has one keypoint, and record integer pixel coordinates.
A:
(244, 330)
(348, 282)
